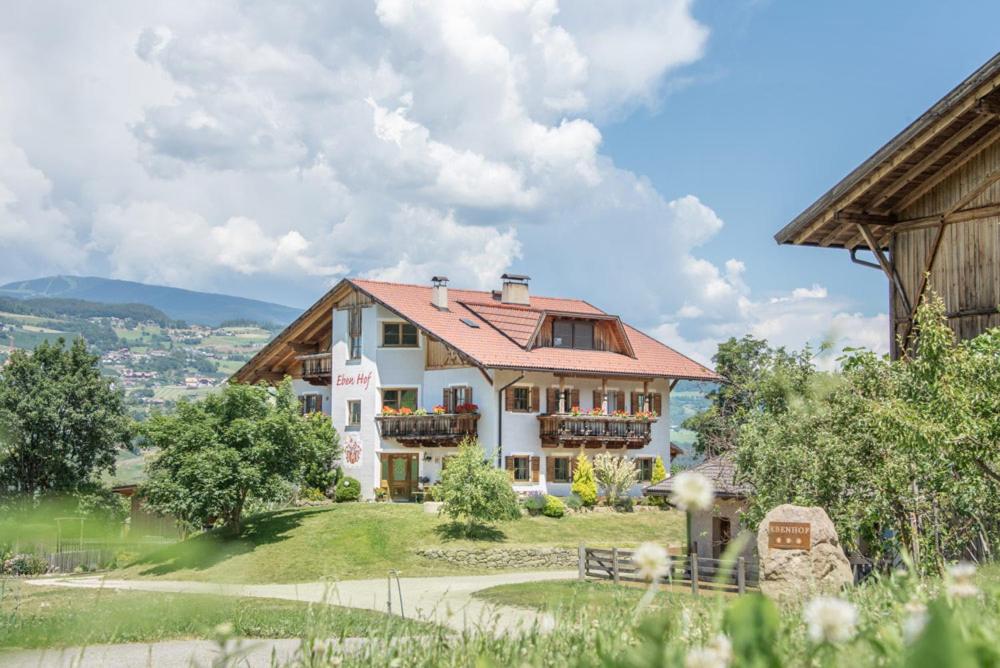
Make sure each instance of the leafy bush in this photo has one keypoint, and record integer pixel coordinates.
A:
(473, 490)
(573, 502)
(624, 504)
(24, 564)
(615, 474)
(348, 489)
(659, 470)
(553, 507)
(584, 484)
(312, 494)
(534, 503)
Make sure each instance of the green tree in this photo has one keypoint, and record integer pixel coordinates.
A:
(584, 484)
(901, 454)
(757, 377)
(474, 490)
(61, 421)
(659, 470)
(243, 442)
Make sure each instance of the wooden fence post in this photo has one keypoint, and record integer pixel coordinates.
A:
(694, 573)
(741, 575)
(581, 556)
(614, 564)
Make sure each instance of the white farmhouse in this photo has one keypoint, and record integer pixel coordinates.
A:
(407, 371)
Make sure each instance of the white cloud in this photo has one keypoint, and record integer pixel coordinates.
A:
(269, 149)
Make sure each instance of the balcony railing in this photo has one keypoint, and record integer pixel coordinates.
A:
(428, 430)
(595, 430)
(316, 369)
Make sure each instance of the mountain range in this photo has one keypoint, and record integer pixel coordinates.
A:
(204, 308)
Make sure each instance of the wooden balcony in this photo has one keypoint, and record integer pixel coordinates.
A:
(317, 369)
(428, 430)
(595, 431)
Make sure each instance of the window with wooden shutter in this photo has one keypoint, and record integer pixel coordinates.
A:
(574, 398)
(354, 332)
(598, 398)
(521, 398)
(657, 402)
(536, 465)
(536, 405)
(447, 401)
(552, 400)
(509, 465)
(636, 402)
(523, 468)
(508, 399)
(620, 400)
(559, 469)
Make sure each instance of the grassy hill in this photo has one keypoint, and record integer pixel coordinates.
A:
(194, 307)
(364, 540)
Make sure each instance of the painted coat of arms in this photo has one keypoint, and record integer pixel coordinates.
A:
(352, 451)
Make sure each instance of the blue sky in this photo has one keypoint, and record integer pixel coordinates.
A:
(789, 97)
(637, 154)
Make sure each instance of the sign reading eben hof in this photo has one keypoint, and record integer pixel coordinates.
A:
(789, 535)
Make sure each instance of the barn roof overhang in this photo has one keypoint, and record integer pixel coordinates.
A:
(870, 202)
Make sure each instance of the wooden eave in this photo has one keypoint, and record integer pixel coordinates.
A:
(958, 127)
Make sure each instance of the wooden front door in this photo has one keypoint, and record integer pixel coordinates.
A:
(721, 535)
(400, 473)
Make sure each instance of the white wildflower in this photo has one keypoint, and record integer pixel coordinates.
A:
(960, 580)
(830, 620)
(692, 491)
(651, 561)
(915, 620)
(224, 629)
(716, 654)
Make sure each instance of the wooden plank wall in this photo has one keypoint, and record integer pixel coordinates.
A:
(966, 271)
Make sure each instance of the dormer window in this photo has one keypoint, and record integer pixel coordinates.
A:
(578, 334)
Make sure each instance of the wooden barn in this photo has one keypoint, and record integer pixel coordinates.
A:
(927, 205)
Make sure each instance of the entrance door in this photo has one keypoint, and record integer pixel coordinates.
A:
(721, 535)
(400, 473)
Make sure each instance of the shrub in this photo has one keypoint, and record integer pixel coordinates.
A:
(584, 484)
(474, 490)
(615, 474)
(624, 504)
(348, 489)
(659, 471)
(312, 494)
(573, 502)
(534, 503)
(553, 507)
(24, 564)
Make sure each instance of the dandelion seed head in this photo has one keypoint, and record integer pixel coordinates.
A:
(692, 491)
(831, 620)
(651, 561)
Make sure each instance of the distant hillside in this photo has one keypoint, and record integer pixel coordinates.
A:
(194, 307)
(55, 307)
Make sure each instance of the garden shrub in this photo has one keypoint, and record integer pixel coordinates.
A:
(573, 502)
(584, 483)
(473, 490)
(553, 507)
(534, 503)
(624, 504)
(24, 564)
(348, 489)
(312, 494)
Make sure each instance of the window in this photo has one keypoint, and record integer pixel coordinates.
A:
(612, 399)
(399, 335)
(311, 403)
(522, 399)
(397, 399)
(522, 469)
(354, 414)
(560, 470)
(573, 334)
(645, 466)
(456, 396)
(354, 332)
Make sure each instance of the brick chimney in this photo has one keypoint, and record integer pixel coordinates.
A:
(515, 289)
(439, 292)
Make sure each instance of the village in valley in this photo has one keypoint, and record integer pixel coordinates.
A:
(502, 427)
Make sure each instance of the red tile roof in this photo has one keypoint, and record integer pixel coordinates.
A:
(503, 332)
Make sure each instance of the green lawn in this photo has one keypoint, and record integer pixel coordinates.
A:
(42, 617)
(570, 597)
(361, 540)
(178, 392)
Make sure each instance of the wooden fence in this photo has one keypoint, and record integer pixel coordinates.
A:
(615, 564)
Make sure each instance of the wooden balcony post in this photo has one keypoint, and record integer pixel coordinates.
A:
(604, 395)
(562, 396)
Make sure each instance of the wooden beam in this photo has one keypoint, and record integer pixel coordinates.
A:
(988, 180)
(962, 216)
(930, 159)
(859, 236)
(968, 154)
(854, 217)
(889, 270)
(924, 279)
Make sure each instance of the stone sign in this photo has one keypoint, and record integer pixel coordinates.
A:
(789, 535)
(790, 570)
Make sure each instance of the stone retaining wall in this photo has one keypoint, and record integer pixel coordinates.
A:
(513, 557)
